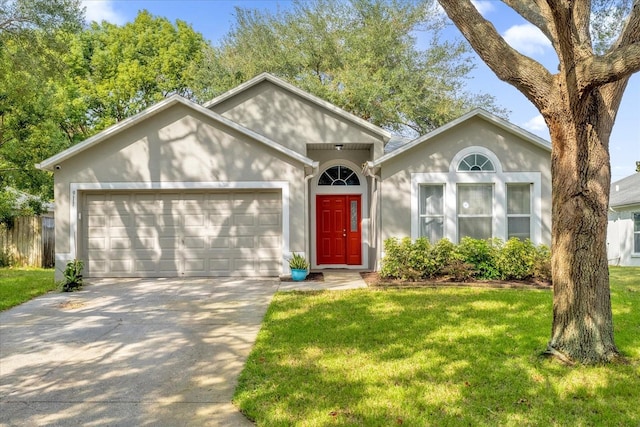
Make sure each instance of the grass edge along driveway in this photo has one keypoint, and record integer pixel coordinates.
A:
(18, 285)
(446, 356)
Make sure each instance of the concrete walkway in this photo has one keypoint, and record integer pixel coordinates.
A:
(161, 352)
(333, 281)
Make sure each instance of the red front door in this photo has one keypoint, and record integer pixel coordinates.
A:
(338, 232)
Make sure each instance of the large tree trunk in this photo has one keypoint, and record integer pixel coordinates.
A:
(582, 320)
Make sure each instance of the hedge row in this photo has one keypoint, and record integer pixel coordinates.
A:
(472, 258)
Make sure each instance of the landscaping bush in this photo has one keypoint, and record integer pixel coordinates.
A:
(516, 259)
(481, 254)
(542, 264)
(483, 259)
(401, 260)
(443, 253)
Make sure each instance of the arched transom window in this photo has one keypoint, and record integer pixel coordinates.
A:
(338, 175)
(476, 163)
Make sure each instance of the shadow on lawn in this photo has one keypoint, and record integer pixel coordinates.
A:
(442, 357)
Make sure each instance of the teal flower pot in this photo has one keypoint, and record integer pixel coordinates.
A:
(298, 275)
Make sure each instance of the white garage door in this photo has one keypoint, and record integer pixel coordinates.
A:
(165, 234)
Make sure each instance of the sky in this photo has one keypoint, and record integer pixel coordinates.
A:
(214, 19)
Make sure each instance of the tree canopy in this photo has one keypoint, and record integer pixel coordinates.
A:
(104, 74)
(384, 61)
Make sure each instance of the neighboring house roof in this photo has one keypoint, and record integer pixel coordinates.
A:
(625, 191)
(396, 142)
(478, 112)
(49, 164)
(302, 94)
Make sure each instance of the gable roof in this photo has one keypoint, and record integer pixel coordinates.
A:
(625, 191)
(49, 164)
(478, 112)
(266, 77)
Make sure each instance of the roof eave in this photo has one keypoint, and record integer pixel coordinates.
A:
(534, 139)
(49, 164)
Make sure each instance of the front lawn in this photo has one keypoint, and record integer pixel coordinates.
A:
(18, 285)
(444, 356)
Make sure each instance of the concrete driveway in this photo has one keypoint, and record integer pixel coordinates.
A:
(130, 352)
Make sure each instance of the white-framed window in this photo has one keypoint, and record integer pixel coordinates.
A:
(499, 204)
(519, 211)
(476, 162)
(432, 211)
(636, 232)
(475, 211)
(338, 175)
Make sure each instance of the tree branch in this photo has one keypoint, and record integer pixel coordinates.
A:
(599, 70)
(526, 74)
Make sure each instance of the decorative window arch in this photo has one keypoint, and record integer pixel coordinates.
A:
(476, 162)
(338, 175)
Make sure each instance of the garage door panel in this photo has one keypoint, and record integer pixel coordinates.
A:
(194, 220)
(119, 243)
(97, 220)
(220, 220)
(220, 242)
(146, 243)
(194, 242)
(155, 233)
(269, 219)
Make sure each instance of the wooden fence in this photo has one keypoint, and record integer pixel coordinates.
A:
(29, 243)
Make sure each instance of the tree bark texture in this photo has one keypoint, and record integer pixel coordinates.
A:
(579, 105)
(582, 320)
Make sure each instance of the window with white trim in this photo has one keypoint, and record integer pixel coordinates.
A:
(476, 163)
(519, 211)
(338, 175)
(432, 211)
(636, 232)
(475, 211)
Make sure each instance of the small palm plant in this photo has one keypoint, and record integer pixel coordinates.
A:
(298, 262)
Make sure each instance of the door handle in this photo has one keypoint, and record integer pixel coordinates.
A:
(344, 232)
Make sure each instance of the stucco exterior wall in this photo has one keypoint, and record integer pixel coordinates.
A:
(177, 145)
(436, 154)
(620, 237)
(291, 120)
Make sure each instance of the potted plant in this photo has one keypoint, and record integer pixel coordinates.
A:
(299, 267)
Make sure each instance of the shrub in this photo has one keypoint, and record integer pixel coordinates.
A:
(481, 254)
(443, 253)
(397, 262)
(459, 270)
(72, 276)
(516, 259)
(542, 263)
(422, 264)
(484, 259)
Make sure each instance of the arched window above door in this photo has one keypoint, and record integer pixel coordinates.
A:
(476, 163)
(338, 175)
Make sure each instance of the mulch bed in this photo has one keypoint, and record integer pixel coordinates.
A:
(311, 277)
(374, 280)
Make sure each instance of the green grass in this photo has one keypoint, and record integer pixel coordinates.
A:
(446, 356)
(18, 285)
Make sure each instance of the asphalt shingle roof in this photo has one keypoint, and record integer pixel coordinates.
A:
(625, 191)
